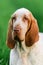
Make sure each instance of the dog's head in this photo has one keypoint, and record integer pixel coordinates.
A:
(22, 26)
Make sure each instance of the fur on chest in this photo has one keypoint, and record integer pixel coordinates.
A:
(27, 56)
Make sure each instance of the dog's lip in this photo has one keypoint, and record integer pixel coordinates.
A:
(18, 39)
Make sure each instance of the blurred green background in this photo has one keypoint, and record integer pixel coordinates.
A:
(7, 7)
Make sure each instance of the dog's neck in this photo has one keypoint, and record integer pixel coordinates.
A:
(22, 49)
(23, 52)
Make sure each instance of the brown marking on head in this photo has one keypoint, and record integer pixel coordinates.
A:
(10, 42)
(32, 33)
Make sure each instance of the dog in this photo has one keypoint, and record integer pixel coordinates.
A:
(24, 39)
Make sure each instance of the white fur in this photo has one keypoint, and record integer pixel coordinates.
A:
(34, 57)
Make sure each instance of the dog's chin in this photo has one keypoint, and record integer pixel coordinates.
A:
(20, 36)
(18, 39)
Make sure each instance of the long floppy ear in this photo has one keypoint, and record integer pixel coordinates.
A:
(10, 42)
(32, 33)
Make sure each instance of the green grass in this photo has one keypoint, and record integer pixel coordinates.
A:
(7, 7)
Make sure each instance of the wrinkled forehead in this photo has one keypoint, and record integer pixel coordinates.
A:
(21, 12)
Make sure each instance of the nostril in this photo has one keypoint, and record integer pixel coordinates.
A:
(16, 29)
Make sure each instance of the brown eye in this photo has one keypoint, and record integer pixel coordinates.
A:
(13, 19)
(25, 18)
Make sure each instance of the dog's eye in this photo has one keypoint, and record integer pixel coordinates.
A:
(25, 18)
(14, 19)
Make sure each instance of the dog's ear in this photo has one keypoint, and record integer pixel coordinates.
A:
(10, 42)
(32, 33)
